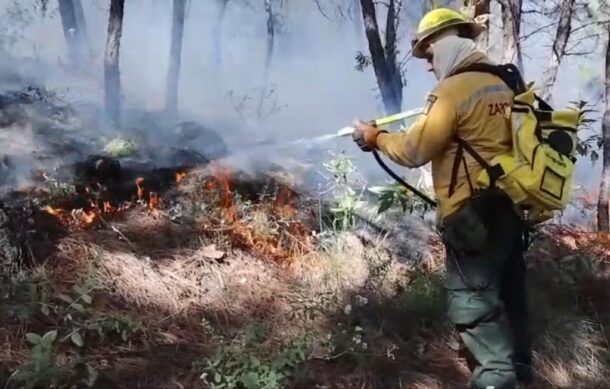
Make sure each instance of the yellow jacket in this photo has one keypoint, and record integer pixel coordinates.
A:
(475, 107)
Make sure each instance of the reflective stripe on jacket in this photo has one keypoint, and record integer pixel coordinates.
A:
(474, 106)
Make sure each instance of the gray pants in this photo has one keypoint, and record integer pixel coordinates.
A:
(486, 291)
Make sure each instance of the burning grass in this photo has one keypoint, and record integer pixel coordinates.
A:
(261, 215)
(225, 264)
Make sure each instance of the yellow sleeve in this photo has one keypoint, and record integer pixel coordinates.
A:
(426, 138)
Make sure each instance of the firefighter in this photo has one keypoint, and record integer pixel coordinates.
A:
(481, 229)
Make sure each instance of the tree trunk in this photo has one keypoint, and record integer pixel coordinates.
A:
(355, 12)
(173, 73)
(511, 25)
(380, 65)
(218, 32)
(603, 211)
(482, 9)
(73, 23)
(82, 24)
(270, 34)
(112, 75)
(564, 29)
(390, 50)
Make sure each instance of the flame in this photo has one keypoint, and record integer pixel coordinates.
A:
(220, 186)
(89, 217)
(154, 201)
(139, 184)
(76, 216)
(282, 231)
(52, 211)
(180, 176)
(275, 227)
(108, 207)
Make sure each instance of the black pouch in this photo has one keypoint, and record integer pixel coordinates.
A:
(469, 235)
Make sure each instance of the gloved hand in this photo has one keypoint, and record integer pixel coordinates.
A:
(365, 135)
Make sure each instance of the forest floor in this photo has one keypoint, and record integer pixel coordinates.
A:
(209, 291)
(226, 279)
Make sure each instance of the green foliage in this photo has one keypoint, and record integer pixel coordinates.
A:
(78, 315)
(27, 296)
(234, 367)
(589, 145)
(348, 340)
(425, 295)
(255, 333)
(345, 210)
(391, 195)
(42, 371)
(346, 201)
(395, 194)
(341, 168)
(119, 148)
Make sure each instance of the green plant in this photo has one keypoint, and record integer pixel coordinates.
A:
(342, 170)
(345, 210)
(590, 144)
(395, 194)
(425, 295)
(119, 147)
(350, 340)
(26, 296)
(42, 371)
(346, 201)
(237, 368)
(105, 327)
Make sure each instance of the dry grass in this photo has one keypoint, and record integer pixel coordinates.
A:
(384, 280)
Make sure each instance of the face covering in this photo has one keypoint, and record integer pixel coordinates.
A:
(448, 52)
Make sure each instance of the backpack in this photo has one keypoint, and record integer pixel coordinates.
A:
(537, 173)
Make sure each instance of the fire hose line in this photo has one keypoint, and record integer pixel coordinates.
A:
(396, 177)
(388, 120)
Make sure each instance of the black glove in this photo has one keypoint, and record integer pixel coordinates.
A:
(358, 137)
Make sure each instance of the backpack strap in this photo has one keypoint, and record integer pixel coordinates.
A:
(494, 172)
(508, 73)
(511, 76)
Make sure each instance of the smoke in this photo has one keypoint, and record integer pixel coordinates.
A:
(312, 87)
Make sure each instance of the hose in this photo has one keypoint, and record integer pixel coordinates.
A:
(395, 176)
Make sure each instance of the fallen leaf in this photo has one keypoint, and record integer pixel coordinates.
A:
(212, 253)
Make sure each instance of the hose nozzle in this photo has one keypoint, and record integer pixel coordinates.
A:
(346, 131)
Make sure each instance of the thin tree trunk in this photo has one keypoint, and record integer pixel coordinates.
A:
(511, 25)
(83, 35)
(355, 12)
(112, 75)
(270, 34)
(71, 28)
(603, 211)
(268, 55)
(173, 73)
(218, 32)
(391, 52)
(382, 71)
(482, 9)
(564, 29)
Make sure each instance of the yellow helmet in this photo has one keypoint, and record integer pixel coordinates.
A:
(439, 20)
